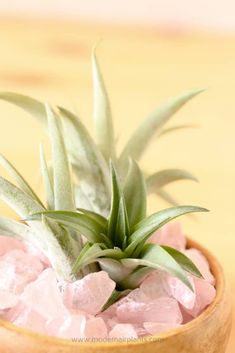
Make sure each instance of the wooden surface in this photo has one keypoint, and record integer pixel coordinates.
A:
(51, 61)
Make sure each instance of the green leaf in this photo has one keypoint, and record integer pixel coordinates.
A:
(118, 226)
(47, 182)
(115, 269)
(102, 114)
(122, 225)
(84, 224)
(160, 179)
(135, 190)
(140, 139)
(93, 254)
(154, 256)
(115, 296)
(143, 230)
(62, 183)
(18, 178)
(134, 279)
(88, 163)
(99, 219)
(183, 261)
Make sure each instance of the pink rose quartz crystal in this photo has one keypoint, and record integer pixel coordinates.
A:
(32, 297)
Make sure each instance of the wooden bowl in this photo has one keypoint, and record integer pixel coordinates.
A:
(206, 334)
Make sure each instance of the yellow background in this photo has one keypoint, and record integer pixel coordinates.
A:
(51, 61)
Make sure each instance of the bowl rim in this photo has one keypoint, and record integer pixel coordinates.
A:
(220, 285)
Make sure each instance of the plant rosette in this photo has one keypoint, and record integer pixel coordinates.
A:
(88, 270)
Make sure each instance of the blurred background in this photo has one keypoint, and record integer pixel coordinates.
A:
(151, 50)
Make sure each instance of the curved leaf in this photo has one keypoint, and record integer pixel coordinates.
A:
(47, 182)
(143, 230)
(18, 200)
(84, 224)
(154, 256)
(135, 190)
(89, 164)
(19, 180)
(62, 182)
(102, 114)
(144, 133)
(100, 219)
(183, 261)
(93, 254)
(30, 105)
(160, 179)
(82, 150)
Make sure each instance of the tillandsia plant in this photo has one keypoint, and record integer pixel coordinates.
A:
(79, 241)
(90, 157)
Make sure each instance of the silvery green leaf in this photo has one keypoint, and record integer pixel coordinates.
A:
(102, 114)
(18, 230)
(47, 181)
(58, 256)
(143, 230)
(62, 183)
(88, 163)
(30, 105)
(160, 179)
(140, 139)
(183, 261)
(154, 256)
(135, 190)
(82, 150)
(18, 200)
(18, 178)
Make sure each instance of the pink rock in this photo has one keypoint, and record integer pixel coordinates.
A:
(205, 294)
(123, 331)
(165, 310)
(7, 275)
(159, 284)
(90, 293)
(155, 285)
(171, 234)
(179, 291)
(27, 268)
(96, 328)
(43, 296)
(186, 316)
(24, 263)
(7, 299)
(155, 328)
(202, 264)
(31, 320)
(8, 244)
(67, 326)
(36, 253)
